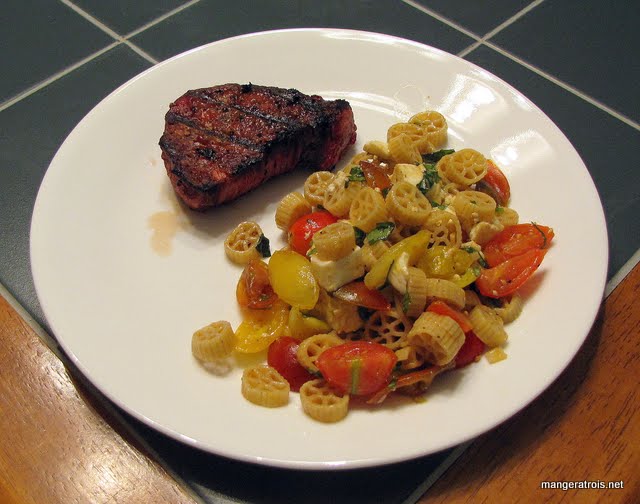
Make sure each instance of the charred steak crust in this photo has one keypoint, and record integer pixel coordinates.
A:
(223, 141)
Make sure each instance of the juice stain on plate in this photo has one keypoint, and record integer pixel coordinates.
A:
(164, 224)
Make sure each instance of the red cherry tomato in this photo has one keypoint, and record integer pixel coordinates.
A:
(515, 240)
(442, 308)
(426, 376)
(357, 367)
(358, 293)
(302, 230)
(470, 350)
(253, 289)
(495, 184)
(509, 276)
(282, 356)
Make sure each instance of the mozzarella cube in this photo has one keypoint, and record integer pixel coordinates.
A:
(332, 275)
(409, 172)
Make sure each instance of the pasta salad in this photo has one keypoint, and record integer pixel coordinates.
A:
(403, 265)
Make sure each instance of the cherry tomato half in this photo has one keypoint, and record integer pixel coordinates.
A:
(357, 367)
(375, 175)
(303, 229)
(509, 276)
(495, 184)
(442, 308)
(254, 289)
(424, 376)
(515, 240)
(282, 356)
(470, 350)
(359, 294)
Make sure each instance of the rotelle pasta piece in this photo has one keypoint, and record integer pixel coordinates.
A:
(407, 204)
(290, 209)
(403, 149)
(434, 126)
(340, 193)
(466, 167)
(445, 228)
(212, 342)
(415, 132)
(310, 349)
(335, 241)
(445, 290)
(473, 207)
(389, 328)
(511, 309)
(316, 185)
(368, 209)
(264, 386)
(488, 326)
(323, 403)
(241, 246)
(440, 336)
(416, 297)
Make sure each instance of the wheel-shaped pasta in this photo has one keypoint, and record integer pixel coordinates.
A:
(407, 205)
(465, 167)
(511, 308)
(488, 326)
(371, 252)
(340, 193)
(316, 185)
(445, 290)
(367, 209)
(264, 386)
(323, 403)
(389, 328)
(213, 342)
(416, 296)
(434, 126)
(445, 228)
(440, 336)
(415, 133)
(472, 207)
(310, 349)
(334, 241)
(403, 149)
(290, 209)
(241, 246)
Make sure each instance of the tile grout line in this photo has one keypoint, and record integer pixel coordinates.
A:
(161, 18)
(479, 41)
(51, 79)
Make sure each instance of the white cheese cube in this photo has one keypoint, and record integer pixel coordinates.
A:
(332, 275)
(409, 172)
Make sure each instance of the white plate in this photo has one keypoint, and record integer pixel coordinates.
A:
(124, 309)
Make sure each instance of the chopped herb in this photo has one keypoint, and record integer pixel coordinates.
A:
(437, 205)
(434, 157)
(385, 191)
(355, 175)
(476, 270)
(360, 236)
(263, 246)
(312, 250)
(430, 177)
(393, 383)
(499, 210)
(544, 236)
(406, 302)
(381, 232)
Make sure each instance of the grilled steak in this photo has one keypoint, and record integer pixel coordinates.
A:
(224, 141)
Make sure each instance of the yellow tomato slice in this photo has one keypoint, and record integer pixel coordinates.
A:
(261, 327)
(292, 280)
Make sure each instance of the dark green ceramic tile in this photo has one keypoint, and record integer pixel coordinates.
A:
(589, 44)
(32, 130)
(211, 20)
(40, 38)
(477, 16)
(124, 16)
(607, 146)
